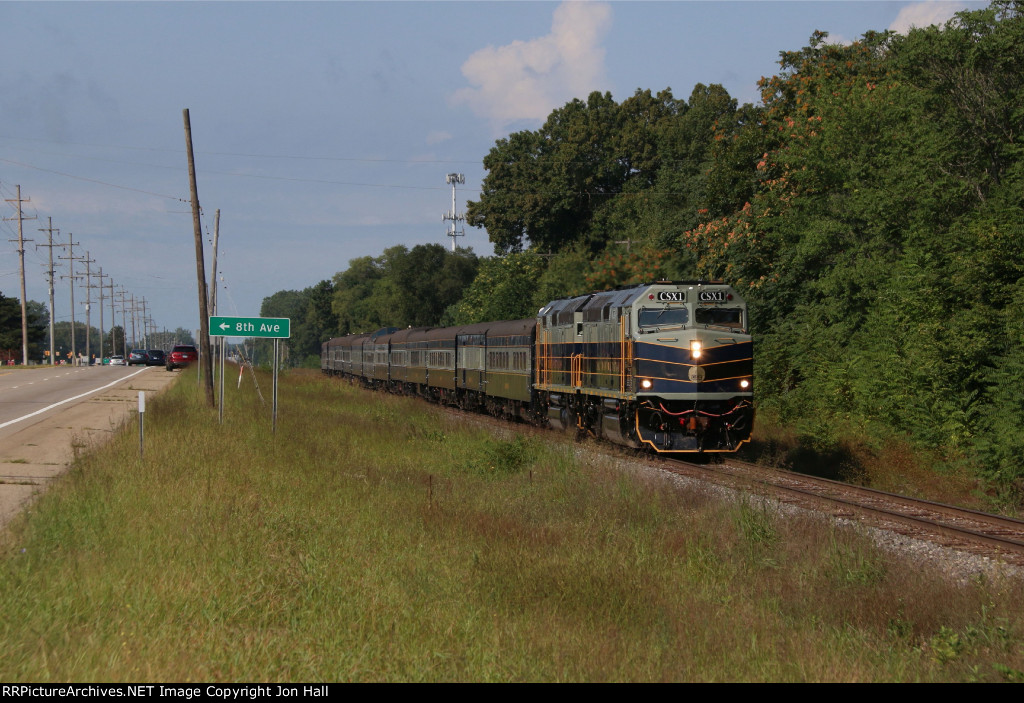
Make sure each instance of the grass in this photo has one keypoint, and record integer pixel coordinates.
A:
(892, 465)
(373, 538)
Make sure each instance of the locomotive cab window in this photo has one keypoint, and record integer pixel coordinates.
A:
(663, 317)
(720, 317)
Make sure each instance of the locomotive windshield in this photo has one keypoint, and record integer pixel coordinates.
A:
(663, 317)
(720, 317)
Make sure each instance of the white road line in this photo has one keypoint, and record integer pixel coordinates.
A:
(50, 407)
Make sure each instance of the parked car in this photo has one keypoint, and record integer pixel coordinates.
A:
(117, 360)
(181, 356)
(156, 357)
(138, 357)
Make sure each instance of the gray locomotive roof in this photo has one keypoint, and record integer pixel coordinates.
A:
(623, 296)
(617, 297)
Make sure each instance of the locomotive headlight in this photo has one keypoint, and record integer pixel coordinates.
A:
(646, 384)
(744, 384)
(695, 347)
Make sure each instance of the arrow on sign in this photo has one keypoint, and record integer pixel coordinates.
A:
(224, 326)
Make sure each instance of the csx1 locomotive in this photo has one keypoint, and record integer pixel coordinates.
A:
(666, 365)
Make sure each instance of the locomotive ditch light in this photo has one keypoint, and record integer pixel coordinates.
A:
(695, 348)
(646, 384)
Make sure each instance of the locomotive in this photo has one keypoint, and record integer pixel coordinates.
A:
(666, 366)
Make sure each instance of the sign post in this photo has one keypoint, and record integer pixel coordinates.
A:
(142, 414)
(276, 328)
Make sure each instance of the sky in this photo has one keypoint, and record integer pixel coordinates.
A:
(323, 131)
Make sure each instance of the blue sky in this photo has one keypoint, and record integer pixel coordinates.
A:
(323, 131)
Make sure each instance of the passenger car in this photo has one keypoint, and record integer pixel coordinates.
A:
(117, 360)
(181, 356)
(156, 357)
(138, 356)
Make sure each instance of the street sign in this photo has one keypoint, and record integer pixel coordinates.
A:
(274, 327)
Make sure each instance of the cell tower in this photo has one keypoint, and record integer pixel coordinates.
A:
(452, 216)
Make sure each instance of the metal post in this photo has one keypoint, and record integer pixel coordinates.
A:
(277, 343)
(220, 341)
(142, 414)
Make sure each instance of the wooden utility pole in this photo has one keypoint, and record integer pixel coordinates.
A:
(71, 259)
(124, 321)
(213, 276)
(88, 305)
(101, 276)
(218, 343)
(21, 254)
(205, 358)
(135, 335)
(113, 322)
(143, 323)
(50, 273)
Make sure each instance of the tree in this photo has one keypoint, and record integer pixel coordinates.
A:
(503, 289)
(353, 290)
(317, 324)
(401, 287)
(577, 179)
(37, 320)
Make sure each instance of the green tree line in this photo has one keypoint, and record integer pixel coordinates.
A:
(870, 208)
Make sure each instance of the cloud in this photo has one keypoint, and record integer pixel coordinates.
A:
(437, 137)
(525, 80)
(924, 14)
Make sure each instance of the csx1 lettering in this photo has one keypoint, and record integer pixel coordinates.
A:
(672, 296)
(712, 296)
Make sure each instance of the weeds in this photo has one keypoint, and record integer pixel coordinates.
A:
(503, 457)
(851, 565)
(232, 553)
(757, 527)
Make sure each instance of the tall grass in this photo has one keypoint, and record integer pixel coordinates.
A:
(375, 538)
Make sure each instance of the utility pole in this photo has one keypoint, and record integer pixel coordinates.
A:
(50, 276)
(215, 343)
(145, 336)
(21, 255)
(205, 357)
(213, 277)
(71, 258)
(88, 304)
(453, 216)
(113, 320)
(124, 322)
(135, 335)
(101, 276)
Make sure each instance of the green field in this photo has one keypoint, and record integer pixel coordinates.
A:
(376, 538)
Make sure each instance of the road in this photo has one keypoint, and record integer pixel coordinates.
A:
(49, 414)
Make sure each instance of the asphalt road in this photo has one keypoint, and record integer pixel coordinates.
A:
(49, 414)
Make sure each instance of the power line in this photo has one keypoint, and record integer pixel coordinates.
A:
(93, 180)
(354, 159)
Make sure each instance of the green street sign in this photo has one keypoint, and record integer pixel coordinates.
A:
(276, 327)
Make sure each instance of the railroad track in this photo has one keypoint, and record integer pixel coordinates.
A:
(982, 534)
